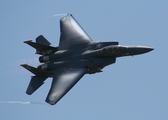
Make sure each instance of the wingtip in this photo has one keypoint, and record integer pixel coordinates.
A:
(28, 41)
(28, 93)
(69, 14)
(23, 65)
(50, 102)
(26, 66)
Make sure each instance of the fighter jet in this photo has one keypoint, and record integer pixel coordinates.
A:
(76, 55)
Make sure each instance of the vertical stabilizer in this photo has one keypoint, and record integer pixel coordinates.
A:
(35, 83)
(42, 45)
(42, 40)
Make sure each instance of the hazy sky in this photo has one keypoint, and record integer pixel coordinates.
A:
(134, 88)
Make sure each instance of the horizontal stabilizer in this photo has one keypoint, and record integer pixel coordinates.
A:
(35, 83)
(36, 71)
(40, 48)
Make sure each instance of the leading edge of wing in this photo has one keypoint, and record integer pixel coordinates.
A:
(72, 33)
(63, 81)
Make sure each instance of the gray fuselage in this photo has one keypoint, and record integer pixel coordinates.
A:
(93, 56)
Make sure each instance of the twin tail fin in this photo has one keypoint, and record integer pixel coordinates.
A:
(42, 45)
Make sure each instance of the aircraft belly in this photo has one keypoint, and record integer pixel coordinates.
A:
(96, 65)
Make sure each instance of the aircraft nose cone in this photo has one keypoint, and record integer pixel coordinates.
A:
(144, 49)
(149, 49)
(139, 50)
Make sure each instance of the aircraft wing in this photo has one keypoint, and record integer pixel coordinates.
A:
(63, 80)
(72, 33)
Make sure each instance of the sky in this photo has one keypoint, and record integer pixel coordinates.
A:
(134, 88)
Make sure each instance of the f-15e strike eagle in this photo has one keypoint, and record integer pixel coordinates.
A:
(76, 55)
